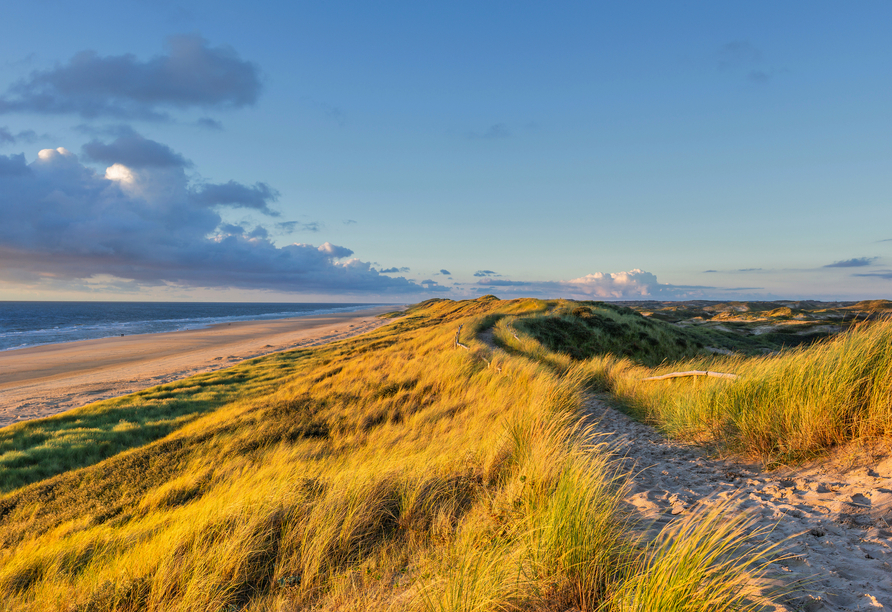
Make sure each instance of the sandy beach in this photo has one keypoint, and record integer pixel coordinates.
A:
(45, 380)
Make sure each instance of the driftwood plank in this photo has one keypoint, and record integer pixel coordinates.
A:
(456, 343)
(693, 373)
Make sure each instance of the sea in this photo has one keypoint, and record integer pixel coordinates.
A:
(24, 324)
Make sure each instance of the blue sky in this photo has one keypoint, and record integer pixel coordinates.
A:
(399, 151)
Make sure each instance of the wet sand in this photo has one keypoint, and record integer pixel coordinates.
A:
(45, 380)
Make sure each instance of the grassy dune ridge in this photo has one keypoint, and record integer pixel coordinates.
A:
(785, 407)
(395, 471)
(391, 471)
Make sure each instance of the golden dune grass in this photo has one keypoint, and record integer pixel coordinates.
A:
(782, 408)
(388, 472)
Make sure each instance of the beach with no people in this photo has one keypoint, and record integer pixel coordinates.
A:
(41, 381)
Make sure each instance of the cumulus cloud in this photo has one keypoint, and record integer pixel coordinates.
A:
(631, 285)
(445, 272)
(857, 262)
(130, 151)
(395, 271)
(66, 222)
(618, 284)
(336, 252)
(190, 75)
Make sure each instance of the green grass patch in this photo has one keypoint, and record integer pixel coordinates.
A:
(587, 329)
(782, 408)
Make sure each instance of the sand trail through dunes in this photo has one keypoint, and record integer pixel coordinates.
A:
(837, 521)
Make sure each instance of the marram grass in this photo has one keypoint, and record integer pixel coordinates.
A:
(389, 472)
(786, 407)
(708, 561)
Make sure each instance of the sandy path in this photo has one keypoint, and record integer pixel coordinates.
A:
(840, 520)
(45, 380)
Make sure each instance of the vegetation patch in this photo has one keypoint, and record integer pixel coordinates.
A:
(586, 329)
(390, 471)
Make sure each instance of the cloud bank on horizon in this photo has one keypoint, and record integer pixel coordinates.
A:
(635, 284)
(144, 220)
(147, 222)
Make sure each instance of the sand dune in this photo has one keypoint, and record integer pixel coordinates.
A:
(45, 380)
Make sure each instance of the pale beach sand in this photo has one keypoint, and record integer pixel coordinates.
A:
(45, 380)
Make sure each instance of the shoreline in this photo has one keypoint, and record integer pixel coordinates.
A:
(205, 320)
(45, 380)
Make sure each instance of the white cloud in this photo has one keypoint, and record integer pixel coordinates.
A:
(48, 155)
(119, 172)
(334, 251)
(635, 284)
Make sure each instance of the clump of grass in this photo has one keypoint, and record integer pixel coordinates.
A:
(576, 540)
(708, 561)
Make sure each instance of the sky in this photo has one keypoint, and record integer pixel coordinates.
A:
(398, 151)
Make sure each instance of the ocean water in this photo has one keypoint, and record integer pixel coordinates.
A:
(24, 324)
